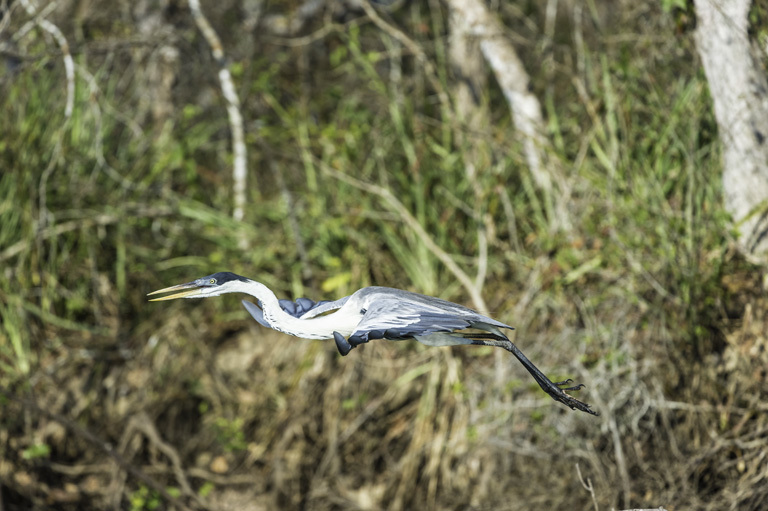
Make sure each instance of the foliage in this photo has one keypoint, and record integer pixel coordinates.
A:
(641, 299)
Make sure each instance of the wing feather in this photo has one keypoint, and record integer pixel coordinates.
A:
(397, 321)
(256, 313)
(323, 307)
(302, 308)
(299, 307)
(396, 314)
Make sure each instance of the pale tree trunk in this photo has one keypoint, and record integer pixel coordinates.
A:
(473, 133)
(739, 93)
(471, 19)
(158, 72)
(468, 92)
(470, 100)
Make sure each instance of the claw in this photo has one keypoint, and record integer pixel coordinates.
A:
(569, 401)
(578, 386)
(566, 382)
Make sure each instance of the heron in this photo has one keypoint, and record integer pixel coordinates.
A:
(373, 313)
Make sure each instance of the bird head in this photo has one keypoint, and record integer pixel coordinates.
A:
(211, 285)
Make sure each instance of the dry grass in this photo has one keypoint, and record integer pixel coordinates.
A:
(236, 412)
(109, 402)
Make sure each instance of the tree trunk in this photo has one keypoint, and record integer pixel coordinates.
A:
(739, 92)
(158, 72)
(471, 20)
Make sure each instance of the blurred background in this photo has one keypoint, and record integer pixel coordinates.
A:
(381, 149)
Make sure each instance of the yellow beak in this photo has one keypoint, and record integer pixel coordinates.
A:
(188, 289)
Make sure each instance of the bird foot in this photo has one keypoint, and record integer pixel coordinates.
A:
(559, 394)
(342, 344)
(566, 382)
(345, 345)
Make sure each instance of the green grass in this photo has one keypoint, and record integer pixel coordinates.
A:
(100, 209)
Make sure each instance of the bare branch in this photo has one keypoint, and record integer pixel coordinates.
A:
(141, 422)
(239, 170)
(398, 207)
(512, 78)
(56, 230)
(587, 486)
(100, 444)
(473, 113)
(471, 18)
(69, 63)
(414, 48)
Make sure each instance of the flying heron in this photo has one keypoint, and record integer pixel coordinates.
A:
(373, 313)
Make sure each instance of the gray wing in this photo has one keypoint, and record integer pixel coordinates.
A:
(255, 312)
(301, 306)
(396, 314)
(395, 321)
(323, 307)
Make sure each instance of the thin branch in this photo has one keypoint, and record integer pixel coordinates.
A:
(239, 170)
(416, 227)
(474, 19)
(57, 230)
(472, 111)
(306, 40)
(482, 257)
(99, 443)
(69, 63)
(513, 80)
(415, 49)
(293, 224)
(144, 424)
(587, 486)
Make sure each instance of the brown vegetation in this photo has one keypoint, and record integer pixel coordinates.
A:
(110, 402)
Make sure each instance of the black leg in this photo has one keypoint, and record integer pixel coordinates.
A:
(553, 389)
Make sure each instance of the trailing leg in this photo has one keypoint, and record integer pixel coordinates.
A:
(555, 390)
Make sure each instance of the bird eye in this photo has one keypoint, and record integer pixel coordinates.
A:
(212, 281)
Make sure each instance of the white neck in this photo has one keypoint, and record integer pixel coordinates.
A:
(343, 321)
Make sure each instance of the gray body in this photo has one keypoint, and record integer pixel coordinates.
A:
(394, 314)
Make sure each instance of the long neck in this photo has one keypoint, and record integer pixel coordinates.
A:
(315, 328)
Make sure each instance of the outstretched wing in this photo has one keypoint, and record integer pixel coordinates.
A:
(255, 312)
(395, 320)
(301, 306)
(396, 314)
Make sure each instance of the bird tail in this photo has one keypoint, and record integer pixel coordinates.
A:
(491, 333)
(485, 335)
